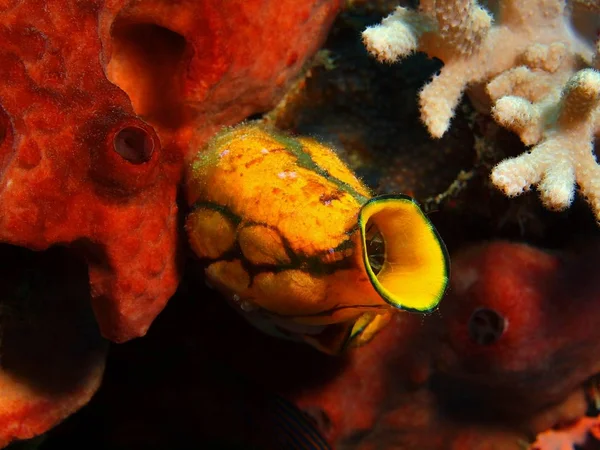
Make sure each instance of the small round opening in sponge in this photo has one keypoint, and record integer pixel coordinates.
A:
(134, 144)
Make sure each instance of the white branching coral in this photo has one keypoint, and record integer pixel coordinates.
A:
(539, 74)
(564, 155)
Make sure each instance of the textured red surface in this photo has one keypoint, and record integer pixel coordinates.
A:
(550, 303)
(75, 74)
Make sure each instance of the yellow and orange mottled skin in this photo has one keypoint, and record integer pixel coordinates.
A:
(79, 78)
(282, 211)
(281, 224)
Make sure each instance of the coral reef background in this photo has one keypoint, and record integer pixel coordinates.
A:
(510, 353)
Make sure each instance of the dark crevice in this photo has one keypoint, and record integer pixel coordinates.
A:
(147, 63)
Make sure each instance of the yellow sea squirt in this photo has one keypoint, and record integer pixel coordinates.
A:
(298, 245)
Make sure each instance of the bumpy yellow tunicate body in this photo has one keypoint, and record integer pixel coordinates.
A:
(277, 220)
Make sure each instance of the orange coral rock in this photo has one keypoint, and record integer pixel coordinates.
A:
(192, 66)
(575, 435)
(80, 161)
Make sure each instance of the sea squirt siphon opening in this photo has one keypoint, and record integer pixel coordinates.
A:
(404, 256)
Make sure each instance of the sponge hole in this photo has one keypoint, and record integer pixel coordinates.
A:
(146, 62)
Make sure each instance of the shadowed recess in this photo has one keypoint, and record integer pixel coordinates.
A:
(146, 64)
(5, 138)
